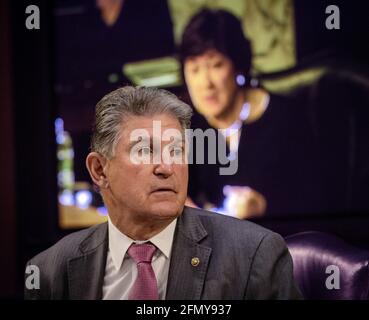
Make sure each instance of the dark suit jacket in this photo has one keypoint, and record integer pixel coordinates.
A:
(238, 260)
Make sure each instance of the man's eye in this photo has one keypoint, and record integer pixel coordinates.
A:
(146, 150)
(177, 151)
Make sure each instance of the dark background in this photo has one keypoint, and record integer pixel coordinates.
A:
(28, 212)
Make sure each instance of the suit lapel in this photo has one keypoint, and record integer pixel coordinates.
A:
(186, 277)
(86, 272)
(189, 260)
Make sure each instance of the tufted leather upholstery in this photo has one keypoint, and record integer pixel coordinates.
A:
(312, 252)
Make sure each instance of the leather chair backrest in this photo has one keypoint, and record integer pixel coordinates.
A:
(326, 267)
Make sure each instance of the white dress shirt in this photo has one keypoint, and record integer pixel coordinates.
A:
(121, 270)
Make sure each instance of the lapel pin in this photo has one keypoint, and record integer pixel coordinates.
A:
(195, 262)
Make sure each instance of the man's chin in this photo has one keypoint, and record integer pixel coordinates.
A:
(166, 209)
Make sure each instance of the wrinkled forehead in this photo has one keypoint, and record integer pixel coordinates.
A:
(158, 127)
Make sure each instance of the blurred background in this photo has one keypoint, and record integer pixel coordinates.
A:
(51, 79)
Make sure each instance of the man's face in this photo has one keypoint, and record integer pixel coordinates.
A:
(211, 82)
(145, 191)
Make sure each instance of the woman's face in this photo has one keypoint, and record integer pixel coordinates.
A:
(210, 79)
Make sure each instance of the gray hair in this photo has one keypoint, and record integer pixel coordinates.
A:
(114, 108)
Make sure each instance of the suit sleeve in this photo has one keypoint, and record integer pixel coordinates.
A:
(271, 275)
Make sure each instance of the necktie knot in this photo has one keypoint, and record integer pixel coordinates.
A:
(142, 252)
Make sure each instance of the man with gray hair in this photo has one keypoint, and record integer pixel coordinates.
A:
(153, 246)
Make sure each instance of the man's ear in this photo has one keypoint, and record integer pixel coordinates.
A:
(96, 166)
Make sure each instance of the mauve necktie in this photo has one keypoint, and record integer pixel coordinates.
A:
(145, 286)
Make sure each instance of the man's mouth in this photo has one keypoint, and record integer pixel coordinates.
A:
(163, 190)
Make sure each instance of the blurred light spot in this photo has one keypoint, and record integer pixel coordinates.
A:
(66, 198)
(83, 199)
(113, 78)
(245, 112)
(240, 79)
(102, 210)
(254, 82)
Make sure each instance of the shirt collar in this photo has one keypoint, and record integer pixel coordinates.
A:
(119, 242)
(164, 239)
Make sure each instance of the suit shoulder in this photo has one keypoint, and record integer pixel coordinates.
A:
(233, 229)
(66, 248)
(52, 264)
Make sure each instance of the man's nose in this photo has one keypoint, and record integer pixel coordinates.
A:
(164, 170)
